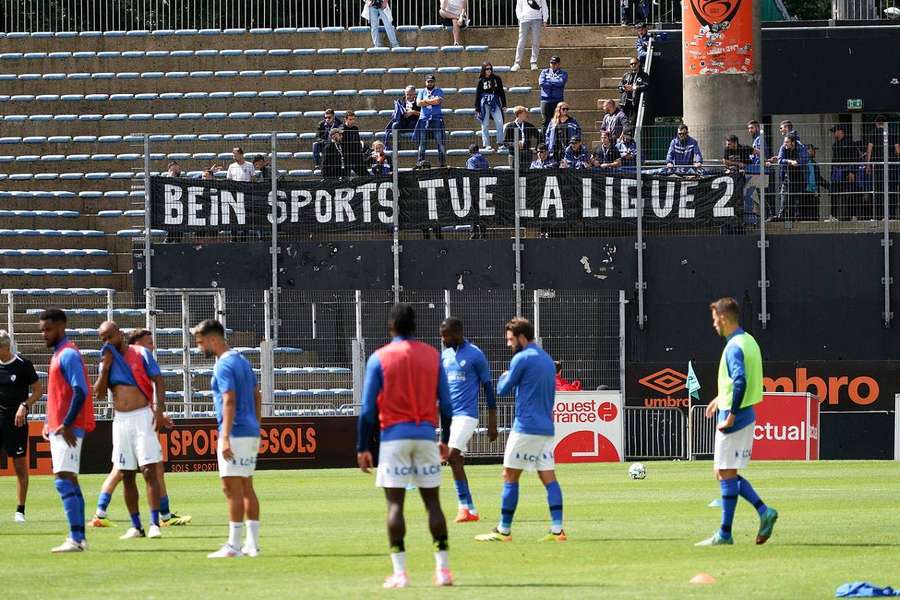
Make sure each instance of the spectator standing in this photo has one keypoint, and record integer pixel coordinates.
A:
(476, 160)
(380, 164)
(614, 120)
(606, 156)
(628, 151)
(634, 84)
(334, 157)
(431, 120)
(736, 156)
(455, 14)
(379, 11)
(352, 145)
(754, 168)
(490, 103)
(642, 43)
(630, 7)
(561, 130)
(576, 155)
(809, 210)
(552, 82)
(406, 115)
(240, 169)
(543, 160)
(323, 134)
(532, 16)
(684, 156)
(844, 154)
(875, 162)
(528, 137)
(793, 158)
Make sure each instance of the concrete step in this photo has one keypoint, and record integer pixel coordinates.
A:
(117, 262)
(116, 280)
(87, 206)
(86, 221)
(108, 242)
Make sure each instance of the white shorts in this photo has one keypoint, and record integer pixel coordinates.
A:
(528, 452)
(65, 458)
(733, 450)
(461, 430)
(401, 462)
(243, 463)
(135, 443)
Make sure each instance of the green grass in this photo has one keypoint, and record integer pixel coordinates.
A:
(323, 537)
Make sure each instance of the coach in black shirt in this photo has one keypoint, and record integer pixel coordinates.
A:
(16, 376)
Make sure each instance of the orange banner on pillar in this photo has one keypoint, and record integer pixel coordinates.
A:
(717, 36)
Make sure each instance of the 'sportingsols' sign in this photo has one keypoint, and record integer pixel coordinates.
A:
(446, 197)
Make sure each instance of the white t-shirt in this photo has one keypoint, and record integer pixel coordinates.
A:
(454, 7)
(532, 10)
(241, 172)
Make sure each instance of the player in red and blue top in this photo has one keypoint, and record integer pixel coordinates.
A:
(405, 388)
(467, 373)
(70, 414)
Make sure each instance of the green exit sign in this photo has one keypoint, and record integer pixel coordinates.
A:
(854, 104)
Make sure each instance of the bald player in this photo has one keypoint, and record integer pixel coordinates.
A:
(127, 370)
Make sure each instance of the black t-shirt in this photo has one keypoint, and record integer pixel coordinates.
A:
(742, 154)
(15, 379)
(876, 138)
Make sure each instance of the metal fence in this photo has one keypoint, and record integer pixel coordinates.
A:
(132, 15)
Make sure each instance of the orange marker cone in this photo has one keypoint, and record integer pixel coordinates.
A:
(703, 578)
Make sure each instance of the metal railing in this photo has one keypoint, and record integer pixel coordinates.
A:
(132, 15)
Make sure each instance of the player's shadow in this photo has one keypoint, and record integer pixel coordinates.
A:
(529, 585)
(627, 539)
(333, 555)
(841, 545)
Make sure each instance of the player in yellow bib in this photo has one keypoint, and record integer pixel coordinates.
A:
(740, 388)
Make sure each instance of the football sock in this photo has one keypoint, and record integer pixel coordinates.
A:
(164, 508)
(69, 493)
(749, 494)
(729, 502)
(136, 520)
(20, 508)
(462, 492)
(253, 533)
(154, 517)
(234, 534)
(80, 513)
(508, 502)
(441, 554)
(555, 501)
(398, 557)
(103, 503)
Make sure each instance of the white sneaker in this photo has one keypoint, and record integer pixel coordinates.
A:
(226, 551)
(154, 533)
(70, 545)
(19, 517)
(534, 67)
(515, 67)
(133, 532)
(251, 551)
(397, 580)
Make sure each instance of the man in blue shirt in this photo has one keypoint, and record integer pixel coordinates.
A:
(532, 374)
(476, 160)
(237, 402)
(467, 371)
(684, 156)
(431, 120)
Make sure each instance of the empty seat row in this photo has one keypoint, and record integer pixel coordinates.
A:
(212, 32)
(79, 233)
(93, 312)
(203, 371)
(68, 291)
(234, 52)
(295, 393)
(67, 194)
(32, 214)
(242, 349)
(29, 272)
(32, 252)
(112, 214)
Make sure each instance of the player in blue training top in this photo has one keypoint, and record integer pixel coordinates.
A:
(237, 402)
(467, 371)
(740, 388)
(532, 375)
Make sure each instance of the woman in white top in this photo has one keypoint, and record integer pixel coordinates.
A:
(455, 13)
(240, 169)
(532, 15)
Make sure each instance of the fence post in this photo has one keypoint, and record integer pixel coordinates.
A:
(763, 243)
(886, 280)
(148, 251)
(446, 304)
(639, 245)
(274, 249)
(11, 319)
(396, 248)
(110, 294)
(518, 201)
(358, 351)
(622, 303)
(267, 360)
(186, 355)
(537, 318)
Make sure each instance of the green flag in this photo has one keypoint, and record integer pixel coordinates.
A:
(693, 384)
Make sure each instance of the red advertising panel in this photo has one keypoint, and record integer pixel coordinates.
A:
(718, 36)
(787, 427)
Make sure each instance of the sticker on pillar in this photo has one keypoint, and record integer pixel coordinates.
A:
(718, 37)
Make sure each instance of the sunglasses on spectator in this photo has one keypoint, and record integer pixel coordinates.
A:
(563, 109)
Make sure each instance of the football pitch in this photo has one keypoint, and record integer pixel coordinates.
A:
(323, 536)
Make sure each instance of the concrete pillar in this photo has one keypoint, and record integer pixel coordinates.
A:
(722, 66)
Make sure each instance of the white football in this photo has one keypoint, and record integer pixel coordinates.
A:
(637, 471)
